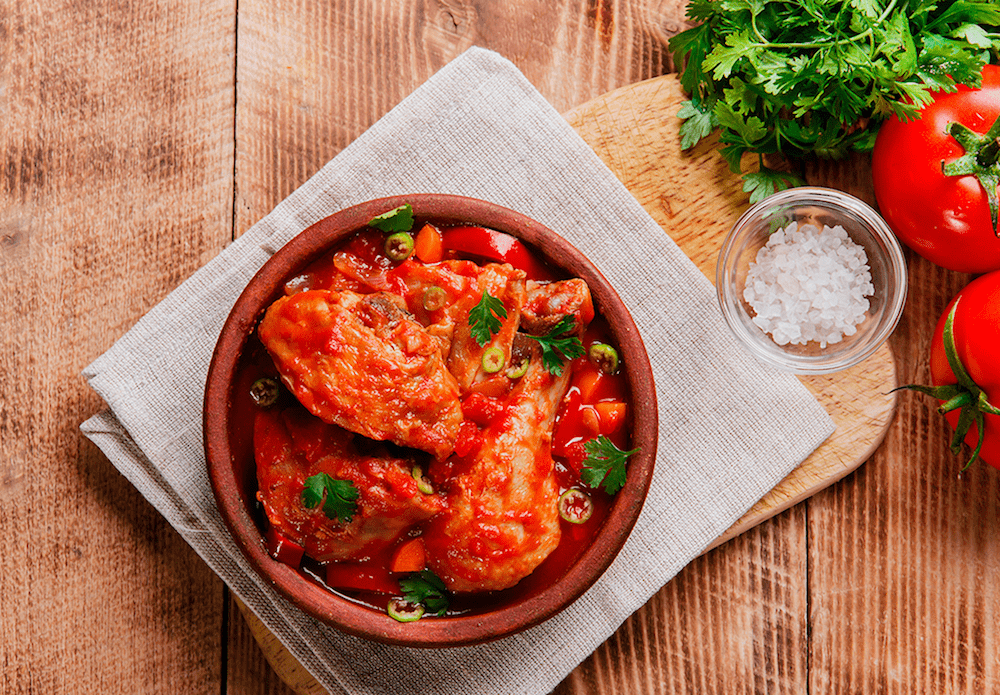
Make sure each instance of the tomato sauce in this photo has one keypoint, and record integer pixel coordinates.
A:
(596, 403)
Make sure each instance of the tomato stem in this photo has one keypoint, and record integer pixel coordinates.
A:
(960, 401)
(987, 157)
(964, 395)
(981, 159)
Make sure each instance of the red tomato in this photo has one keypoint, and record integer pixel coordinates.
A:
(977, 335)
(946, 219)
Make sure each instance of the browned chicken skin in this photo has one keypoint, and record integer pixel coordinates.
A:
(502, 521)
(292, 445)
(361, 362)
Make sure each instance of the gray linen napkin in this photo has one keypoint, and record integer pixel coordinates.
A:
(476, 128)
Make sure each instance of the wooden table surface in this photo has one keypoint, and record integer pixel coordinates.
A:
(138, 139)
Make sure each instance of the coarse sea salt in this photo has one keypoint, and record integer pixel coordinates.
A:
(809, 284)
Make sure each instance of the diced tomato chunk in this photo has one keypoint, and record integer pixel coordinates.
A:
(481, 409)
(574, 455)
(567, 425)
(612, 416)
(589, 382)
(469, 438)
(427, 246)
(590, 419)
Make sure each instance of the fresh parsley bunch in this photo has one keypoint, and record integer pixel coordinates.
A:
(816, 77)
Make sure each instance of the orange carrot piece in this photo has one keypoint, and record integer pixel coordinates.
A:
(409, 557)
(591, 420)
(588, 382)
(612, 416)
(428, 246)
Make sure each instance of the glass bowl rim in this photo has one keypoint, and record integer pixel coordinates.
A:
(762, 346)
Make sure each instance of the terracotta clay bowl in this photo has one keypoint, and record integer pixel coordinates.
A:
(228, 419)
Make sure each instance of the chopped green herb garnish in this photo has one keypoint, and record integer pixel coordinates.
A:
(817, 77)
(427, 589)
(341, 496)
(556, 349)
(484, 318)
(397, 220)
(605, 464)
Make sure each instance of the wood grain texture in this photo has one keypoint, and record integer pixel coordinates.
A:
(909, 551)
(115, 184)
(313, 76)
(119, 177)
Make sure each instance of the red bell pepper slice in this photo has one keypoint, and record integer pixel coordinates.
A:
(358, 577)
(495, 246)
(283, 549)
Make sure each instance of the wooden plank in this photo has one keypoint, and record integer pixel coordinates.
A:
(903, 560)
(312, 77)
(115, 184)
(733, 621)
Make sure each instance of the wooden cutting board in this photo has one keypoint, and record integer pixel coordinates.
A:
(696, 199)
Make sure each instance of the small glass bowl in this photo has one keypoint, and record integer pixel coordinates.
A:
(821, 206)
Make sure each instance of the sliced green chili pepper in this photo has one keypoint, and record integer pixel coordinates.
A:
(404, 611)
(493, 360)
(423, 482)
(604, 357)
(434, 298)
(265, 391)
(399, 246)
(575, 506)
(517, 369)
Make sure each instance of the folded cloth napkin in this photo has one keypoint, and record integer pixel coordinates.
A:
(477, 128)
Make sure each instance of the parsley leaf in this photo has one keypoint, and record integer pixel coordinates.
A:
(484, 318)
(605, 464)
(397, 220)
(427, 589)
(761, 184)
(556, 349)
(699, 122)
(341, 496)
(818, 77)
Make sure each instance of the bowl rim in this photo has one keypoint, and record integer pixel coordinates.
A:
(768, 351)
(335, 609)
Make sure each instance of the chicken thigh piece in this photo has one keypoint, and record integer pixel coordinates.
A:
(548, 303)
(292, 445)
(441, 297)
(501, 519)
(362, 362)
